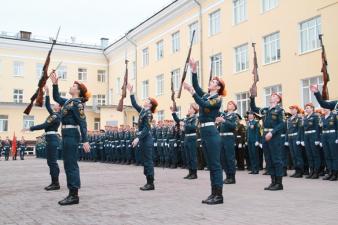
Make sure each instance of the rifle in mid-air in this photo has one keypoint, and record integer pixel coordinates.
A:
(326, 77)
(253, 89)
(124, 88)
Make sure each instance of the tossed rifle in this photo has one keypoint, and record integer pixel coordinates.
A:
(326, 77)
(253, 89)
(38, 95)
(186, 66)
(210, 75)
(173, 94)
(124, 88)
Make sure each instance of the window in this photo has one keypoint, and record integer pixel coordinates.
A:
(241, 57)
(62, 72)
(63, 94)
(160, 115)
(308, 96)
(243, 103)
(145, 56)
(18, 95)
(18, 68)
(39, 70)
(176, 79)
(118, 86)
(97, 124)
(101, 76)
(28, 121)
(82, 74)
(214, 23)
(271, 48)
(133, 71)
(159, 50)
(101, 99)
(240, 11)
(3, 123)
(269, 4)
(309, 32)
(145, 89)
(193, 27)
(159, 84)
(179, 111)
(110, 96)
(216, 64)
(175, 42)
(269, 90)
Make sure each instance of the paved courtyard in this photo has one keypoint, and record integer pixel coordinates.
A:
(110, 195)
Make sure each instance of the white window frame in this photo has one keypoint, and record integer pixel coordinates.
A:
(268, 5)
(145, 57)
(160, 115)
(101, 76)
(176, 76)
(193, 27)
(39, 70)
(82, 74)
(216, 63)
(269, 90)
(243, 104)
(28, 121)
(133, 71)
(240, 11)
(159, 85)
(3, 123)
(97, 124)
(62, 72)
(118, 86)
(18, 95)
(18, 68)
(272, 48)
(215, 22)
(101, 99)
(315, 39)
(145, 89)
(159, 50)
(175, 42)
(241, 54)
(306, 87)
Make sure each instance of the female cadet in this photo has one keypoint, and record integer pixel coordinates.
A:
(209, 105)
(144, 138)
(72, 118)
(190, 125)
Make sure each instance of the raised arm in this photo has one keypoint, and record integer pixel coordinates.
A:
(134, 103)
(253, 105)
(51, 120)
(325, 104)
(56, 95)
(49, 109)
(175, 117)
(196, 86)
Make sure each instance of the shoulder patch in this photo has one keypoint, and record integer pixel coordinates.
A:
(213, 101)
(81, 110)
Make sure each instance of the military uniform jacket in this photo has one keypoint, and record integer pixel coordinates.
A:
(294, 127)
(273, 118)
(332, 105)
(230, 123)
(311, 123)
(209, 105)
(190, 123)
(330, 123)
(144, 120)
(253, 131)
(72, 112)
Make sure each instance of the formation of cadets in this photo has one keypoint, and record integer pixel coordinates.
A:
(6, 148)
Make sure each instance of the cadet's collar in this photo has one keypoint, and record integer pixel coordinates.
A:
(213, 96)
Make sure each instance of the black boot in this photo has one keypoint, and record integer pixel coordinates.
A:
(230, 179)
(328, 176)
(334, 176)
(55, 185)
(310, 174)
(218, 197)
(71, 199)
(210, 196)
(295, 173)
(278, 184)
(189, 174)
(315, 174)
(193, 175)
(299, 174)
(285, 172)
(273, 182)
(266, 173)
(149, 186)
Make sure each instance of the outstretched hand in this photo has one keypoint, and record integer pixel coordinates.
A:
(193, 65)
(130, 88)
(314, 88)
(54, 78)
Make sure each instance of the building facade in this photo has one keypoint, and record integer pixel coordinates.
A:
(285, 32)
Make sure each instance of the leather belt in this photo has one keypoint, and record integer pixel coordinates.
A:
(50, 132)
(282, 135)
(329, 131)
(207, 124)
(310, 131)
(190, 135)
(226, 134)
(293, 134)
(70, 126)
(268, 130)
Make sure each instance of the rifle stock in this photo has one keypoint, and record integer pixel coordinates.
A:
(253, 89)
(326, 77)
(173, 94)
(186, 66)
(124, 89)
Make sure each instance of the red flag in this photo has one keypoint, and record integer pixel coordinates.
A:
(14, 145)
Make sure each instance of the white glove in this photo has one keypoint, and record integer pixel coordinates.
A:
(337, 141)
(256, 143)
(302, 143)
(175, 145)
(286, 143)
(317, 142)
(155, 144)
(260, 145)
(297, 142)
(246, 143)
(239, 145)
(321, 145)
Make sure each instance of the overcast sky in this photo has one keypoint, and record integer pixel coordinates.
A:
(87, 20)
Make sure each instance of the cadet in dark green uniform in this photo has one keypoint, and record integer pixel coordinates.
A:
(7, 148)
(312, 140)
(1, 146)
(294, 137)
(143, 136)
(22, 148)
(330, 143)
(209, 106)
(273, 123)
(73, 117)
(190, 125)
(253, 130)
(51, 126)
(228, 122)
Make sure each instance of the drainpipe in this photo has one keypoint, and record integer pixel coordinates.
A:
(200, 40)
(108, 76)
